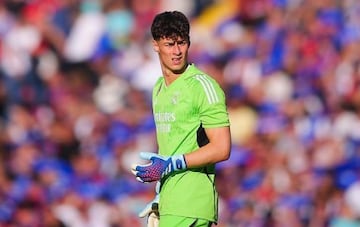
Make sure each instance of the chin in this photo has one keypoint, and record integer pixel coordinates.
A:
(178, 70)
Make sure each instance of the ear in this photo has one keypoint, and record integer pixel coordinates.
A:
(155, 46)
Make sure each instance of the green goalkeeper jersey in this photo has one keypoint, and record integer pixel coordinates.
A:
(194, 101)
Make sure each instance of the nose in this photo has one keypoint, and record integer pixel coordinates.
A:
(177, 49)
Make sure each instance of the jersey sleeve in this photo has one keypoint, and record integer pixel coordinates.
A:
(210, 101)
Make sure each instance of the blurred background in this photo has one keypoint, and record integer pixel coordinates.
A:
(75, 93)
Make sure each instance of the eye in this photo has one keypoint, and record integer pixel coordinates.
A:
(169, 44)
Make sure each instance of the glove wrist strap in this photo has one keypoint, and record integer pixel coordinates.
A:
(178, 162)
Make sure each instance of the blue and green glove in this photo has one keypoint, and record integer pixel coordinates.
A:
(159, 166)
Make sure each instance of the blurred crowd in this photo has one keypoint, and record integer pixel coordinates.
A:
(75, 109)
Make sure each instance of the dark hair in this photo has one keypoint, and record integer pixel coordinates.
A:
(172, 25)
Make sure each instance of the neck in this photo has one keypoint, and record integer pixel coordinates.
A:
(170, 76)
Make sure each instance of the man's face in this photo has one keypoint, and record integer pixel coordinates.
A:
(173, 53)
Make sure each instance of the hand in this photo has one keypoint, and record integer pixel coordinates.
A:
(148, 209)
(159, 166)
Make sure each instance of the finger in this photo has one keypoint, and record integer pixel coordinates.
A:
(139, 175)
(148, 155)
(157, 187)
(144, 177)
(153, 220)
(143, 168)
(156, 199)
(134, 172)
(140, 168)
(140, 180)
(145, 211)
(133, 168)
(149, 207)
(147, 179)
(136, 168)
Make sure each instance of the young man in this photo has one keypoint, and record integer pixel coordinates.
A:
(192, 129)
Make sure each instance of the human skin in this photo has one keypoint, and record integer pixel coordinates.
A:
(173, 56)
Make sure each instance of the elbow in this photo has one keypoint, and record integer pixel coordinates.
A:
(225, 154)
(226, 146)
(227, 149)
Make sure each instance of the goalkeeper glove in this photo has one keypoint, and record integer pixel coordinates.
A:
(150, 207)
(159, 166)
(154, 217)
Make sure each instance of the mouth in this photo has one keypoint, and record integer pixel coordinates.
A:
(177, 61)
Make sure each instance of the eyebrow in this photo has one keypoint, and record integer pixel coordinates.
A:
(175, 41)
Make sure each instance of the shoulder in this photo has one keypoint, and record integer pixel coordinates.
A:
(197, 78)
(159, 81)
(204, 87)
(157, 85)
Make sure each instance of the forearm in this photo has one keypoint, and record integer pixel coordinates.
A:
(217, 150)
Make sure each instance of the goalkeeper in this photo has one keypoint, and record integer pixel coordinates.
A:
(192, 129)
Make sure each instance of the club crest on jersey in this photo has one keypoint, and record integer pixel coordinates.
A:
(175, 97)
